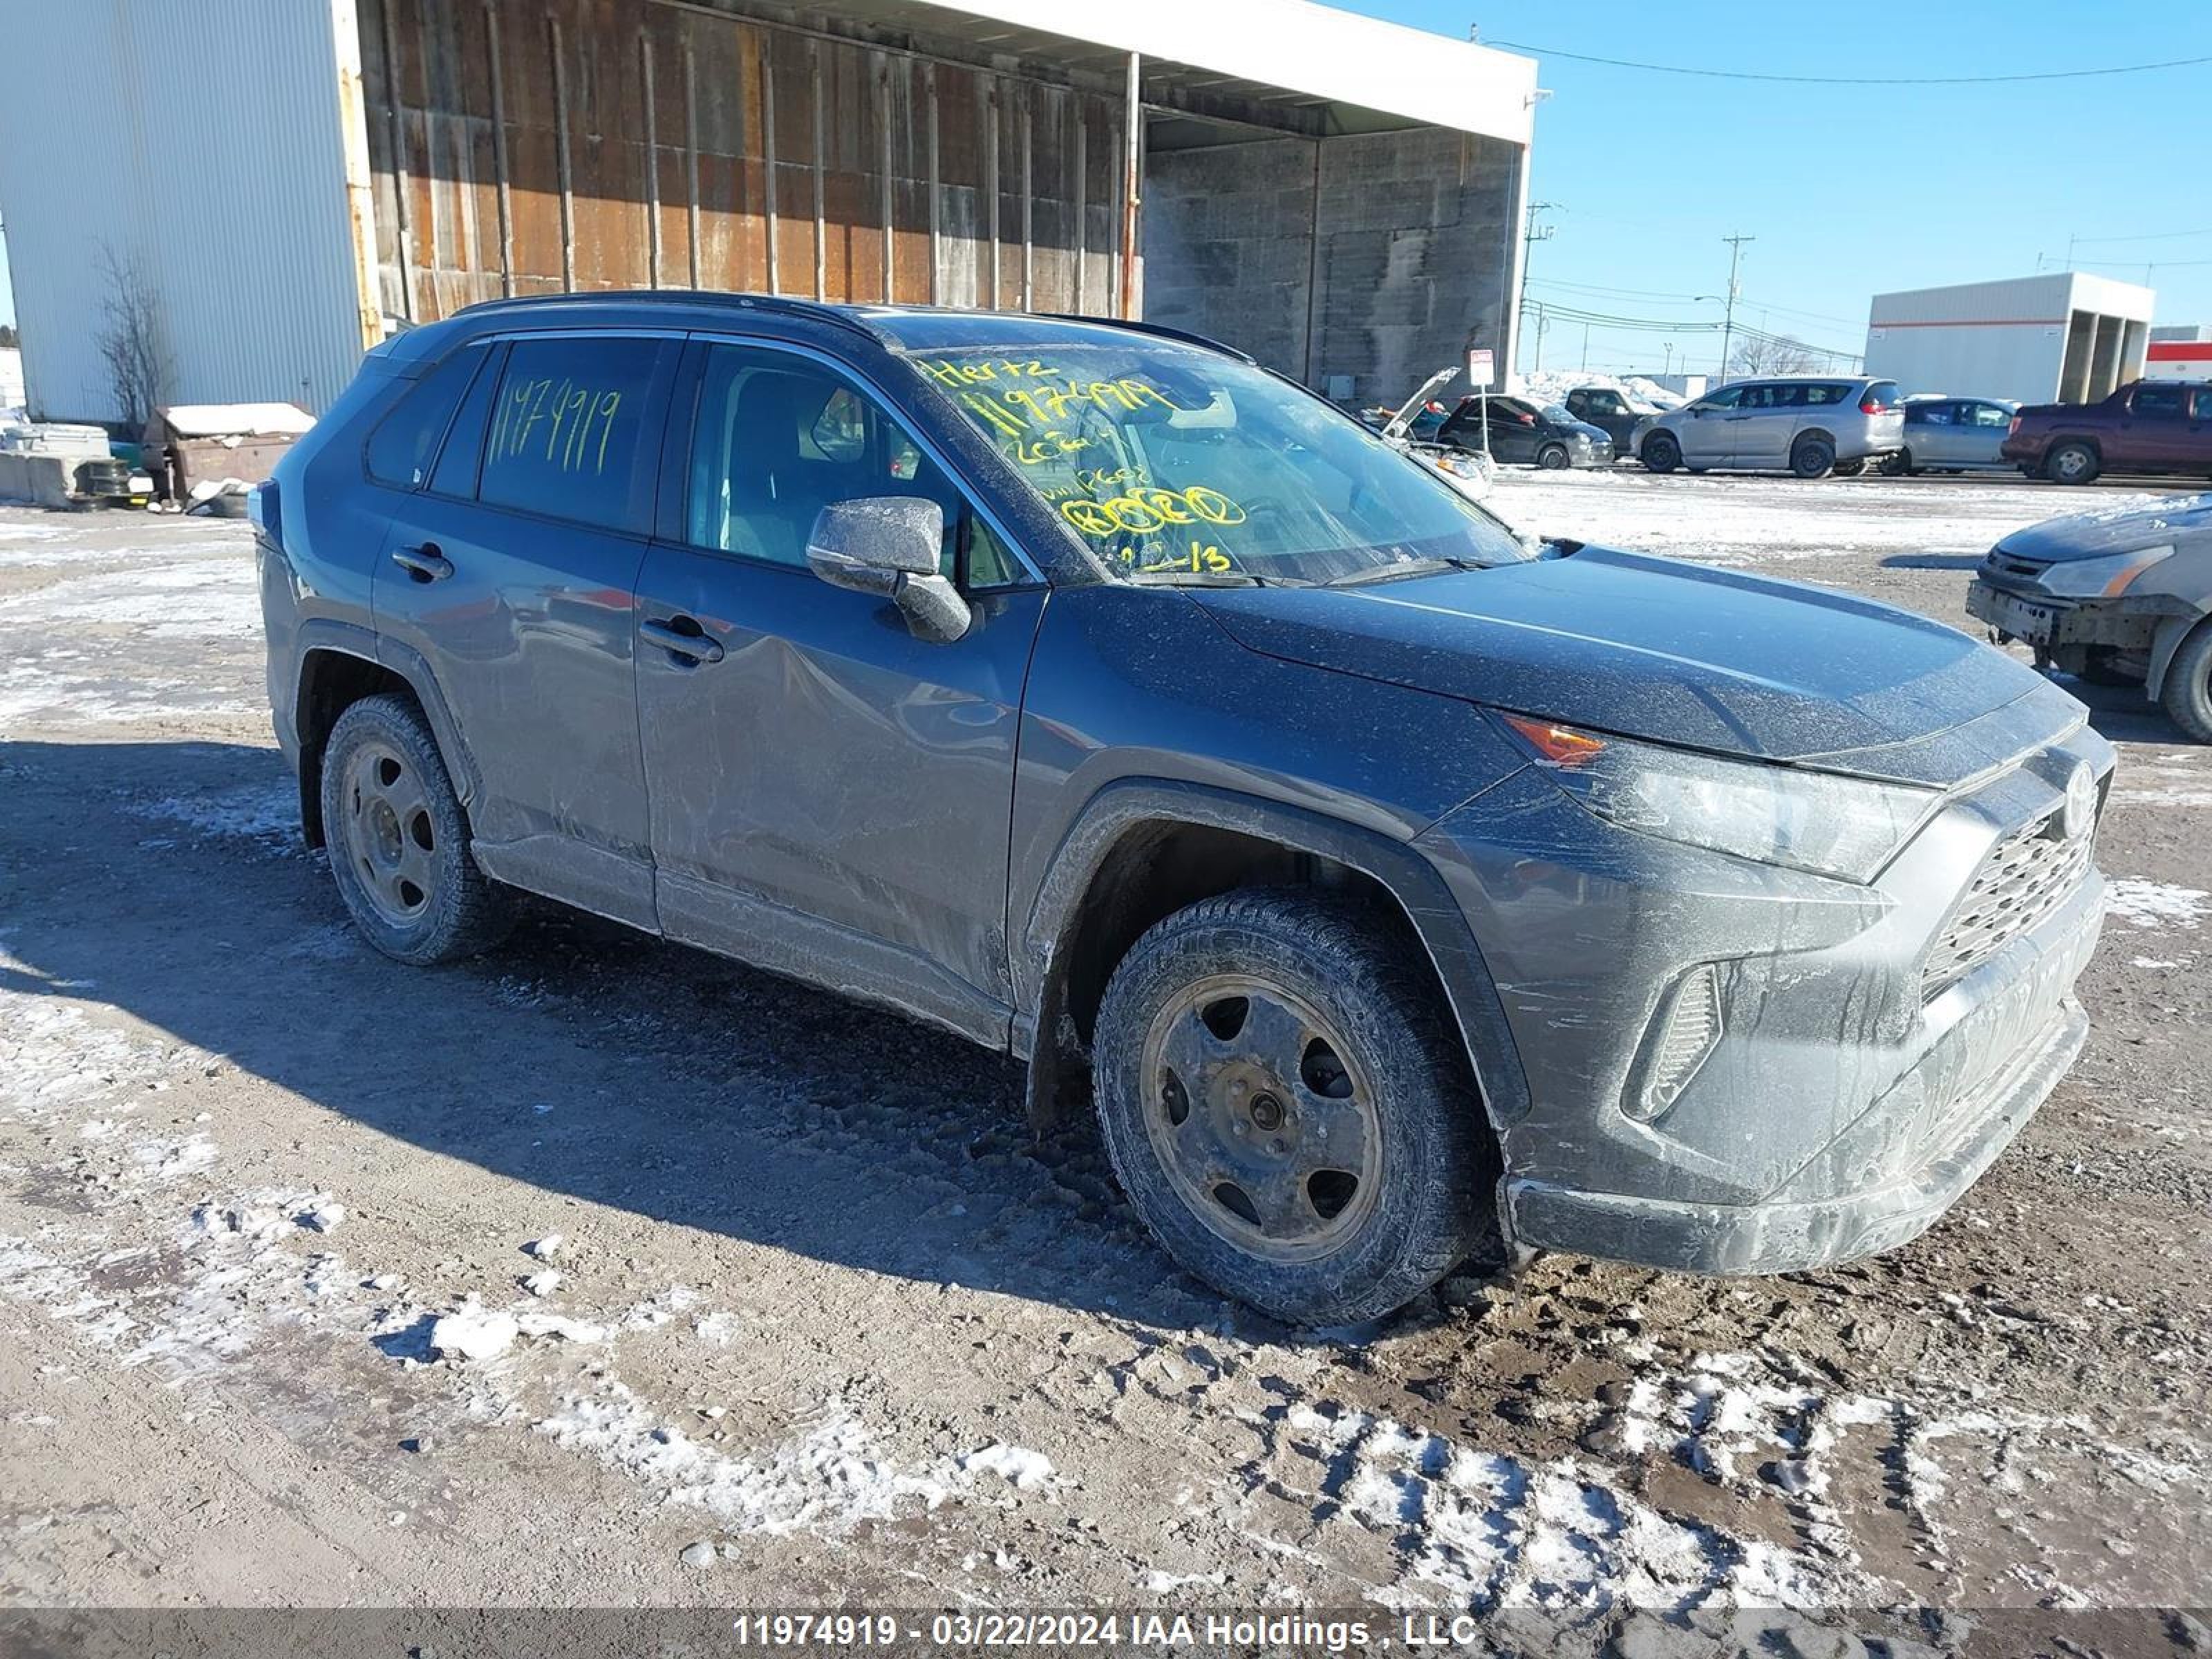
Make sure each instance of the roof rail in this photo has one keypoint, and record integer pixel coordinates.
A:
(1160, 329)
(815, 310)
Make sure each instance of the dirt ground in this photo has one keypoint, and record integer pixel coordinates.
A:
(829, 1325)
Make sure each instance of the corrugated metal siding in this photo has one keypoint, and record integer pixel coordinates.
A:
(203, 141)
(534, 146)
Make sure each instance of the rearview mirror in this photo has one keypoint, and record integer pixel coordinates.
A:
(888, 546)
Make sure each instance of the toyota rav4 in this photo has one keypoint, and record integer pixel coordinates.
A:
(1387, 881)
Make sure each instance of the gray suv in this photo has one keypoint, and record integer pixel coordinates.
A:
(1812, 425)
(1386, 883)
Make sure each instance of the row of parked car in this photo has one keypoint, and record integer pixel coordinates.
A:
(1815, 426)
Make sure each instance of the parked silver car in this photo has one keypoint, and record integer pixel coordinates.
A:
(1811, 424)
(1953, 435)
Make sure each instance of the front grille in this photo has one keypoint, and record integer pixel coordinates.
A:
(2005, 564)
(2024, 878)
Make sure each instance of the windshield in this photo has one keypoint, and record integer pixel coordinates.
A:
(1558, 414)
(1170, 461)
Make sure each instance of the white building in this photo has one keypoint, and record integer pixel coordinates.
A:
(2061, 337)
(1339, 196)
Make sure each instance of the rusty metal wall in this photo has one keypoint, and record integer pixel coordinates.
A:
(541, 146)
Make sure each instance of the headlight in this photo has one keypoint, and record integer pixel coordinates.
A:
(1815, 820)
(2105, 578)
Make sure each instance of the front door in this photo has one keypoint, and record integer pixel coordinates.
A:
(511, 577)
(1707, 430)
(832, 795)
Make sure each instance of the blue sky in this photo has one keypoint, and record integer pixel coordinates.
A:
(1851, 191)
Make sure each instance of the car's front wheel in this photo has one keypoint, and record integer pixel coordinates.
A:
(1287, 1109)
(398, 841)
(1661, 452)
(2187, 693)
(1898, 464)
(1552, 457)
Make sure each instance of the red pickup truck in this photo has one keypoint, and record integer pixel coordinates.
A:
(2146, 426)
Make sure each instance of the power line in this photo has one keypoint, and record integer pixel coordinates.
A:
(2156, 236)
(1852, 80)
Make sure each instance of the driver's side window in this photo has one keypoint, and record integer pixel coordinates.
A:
(776, 438)
(1727, 398)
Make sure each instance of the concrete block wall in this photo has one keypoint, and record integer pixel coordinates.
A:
(1379, 256)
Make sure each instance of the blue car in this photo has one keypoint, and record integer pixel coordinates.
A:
(1392, 887)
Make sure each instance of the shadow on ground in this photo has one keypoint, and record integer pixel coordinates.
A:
(581, 1057)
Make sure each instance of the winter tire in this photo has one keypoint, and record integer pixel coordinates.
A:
(2188, 688)
(1552, 457)
(398, 841)
(1661, 453)
(1288, 1109)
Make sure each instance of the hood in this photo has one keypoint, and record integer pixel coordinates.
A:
(2111, 529)
(1679, 653)
(1596, 434)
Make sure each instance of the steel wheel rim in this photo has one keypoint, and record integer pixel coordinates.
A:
(1269, 1134)
(391, 837)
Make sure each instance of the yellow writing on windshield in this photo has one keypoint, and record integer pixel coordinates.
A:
(1148, 509)
(981, 370)
(573, 422)
(1203, 557)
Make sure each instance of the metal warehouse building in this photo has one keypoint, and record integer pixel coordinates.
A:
(2061, 337)
(283, 180)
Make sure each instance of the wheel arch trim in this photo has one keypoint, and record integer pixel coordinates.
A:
(1132, 804)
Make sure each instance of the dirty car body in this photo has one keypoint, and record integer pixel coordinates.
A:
(2122, 596)
(1709, 921)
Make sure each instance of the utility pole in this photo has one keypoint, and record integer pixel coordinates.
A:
(1727, 326)
(1585, 348)
(1530, 238)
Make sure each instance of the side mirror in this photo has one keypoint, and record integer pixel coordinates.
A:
(888, 545)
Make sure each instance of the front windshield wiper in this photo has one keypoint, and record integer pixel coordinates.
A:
(1386, 572)
(1208, 579)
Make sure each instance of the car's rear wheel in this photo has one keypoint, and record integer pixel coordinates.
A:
(1286, 1108)
(1661, 453)
(1552, 457)
(2188, 690)
(398, 841)
(2072, 464)
(1812, 457)
(1898, 464)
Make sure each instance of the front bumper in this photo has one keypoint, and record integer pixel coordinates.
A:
(2047, 620)
(1859, 1082)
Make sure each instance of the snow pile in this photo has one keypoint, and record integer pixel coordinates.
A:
(1018, 1466)
(2156, 903)
(1552, 386)
(827, 1478)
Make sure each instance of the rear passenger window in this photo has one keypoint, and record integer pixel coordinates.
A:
(568, 431)
(401, 448)
(2201, 407)
(1826, 392)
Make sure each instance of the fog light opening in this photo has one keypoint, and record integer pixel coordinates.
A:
(1688, 1030)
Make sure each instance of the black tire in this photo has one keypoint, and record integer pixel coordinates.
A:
(1812, 457)
(2072, 463)
(1850, 469)
(1898, 464)
(1661, 452)
(1308, 983)
(1554, 457)
(398, 841)
(2187, 693)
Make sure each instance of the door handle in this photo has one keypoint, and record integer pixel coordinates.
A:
(424, 563)
(672, 636)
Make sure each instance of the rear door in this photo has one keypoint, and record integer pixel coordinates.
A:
(1763, 423)
(1931, 433)
(2155, 433)
(510, 579)
(832, 795)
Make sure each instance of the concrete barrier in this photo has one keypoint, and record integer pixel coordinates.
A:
(41, 480)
